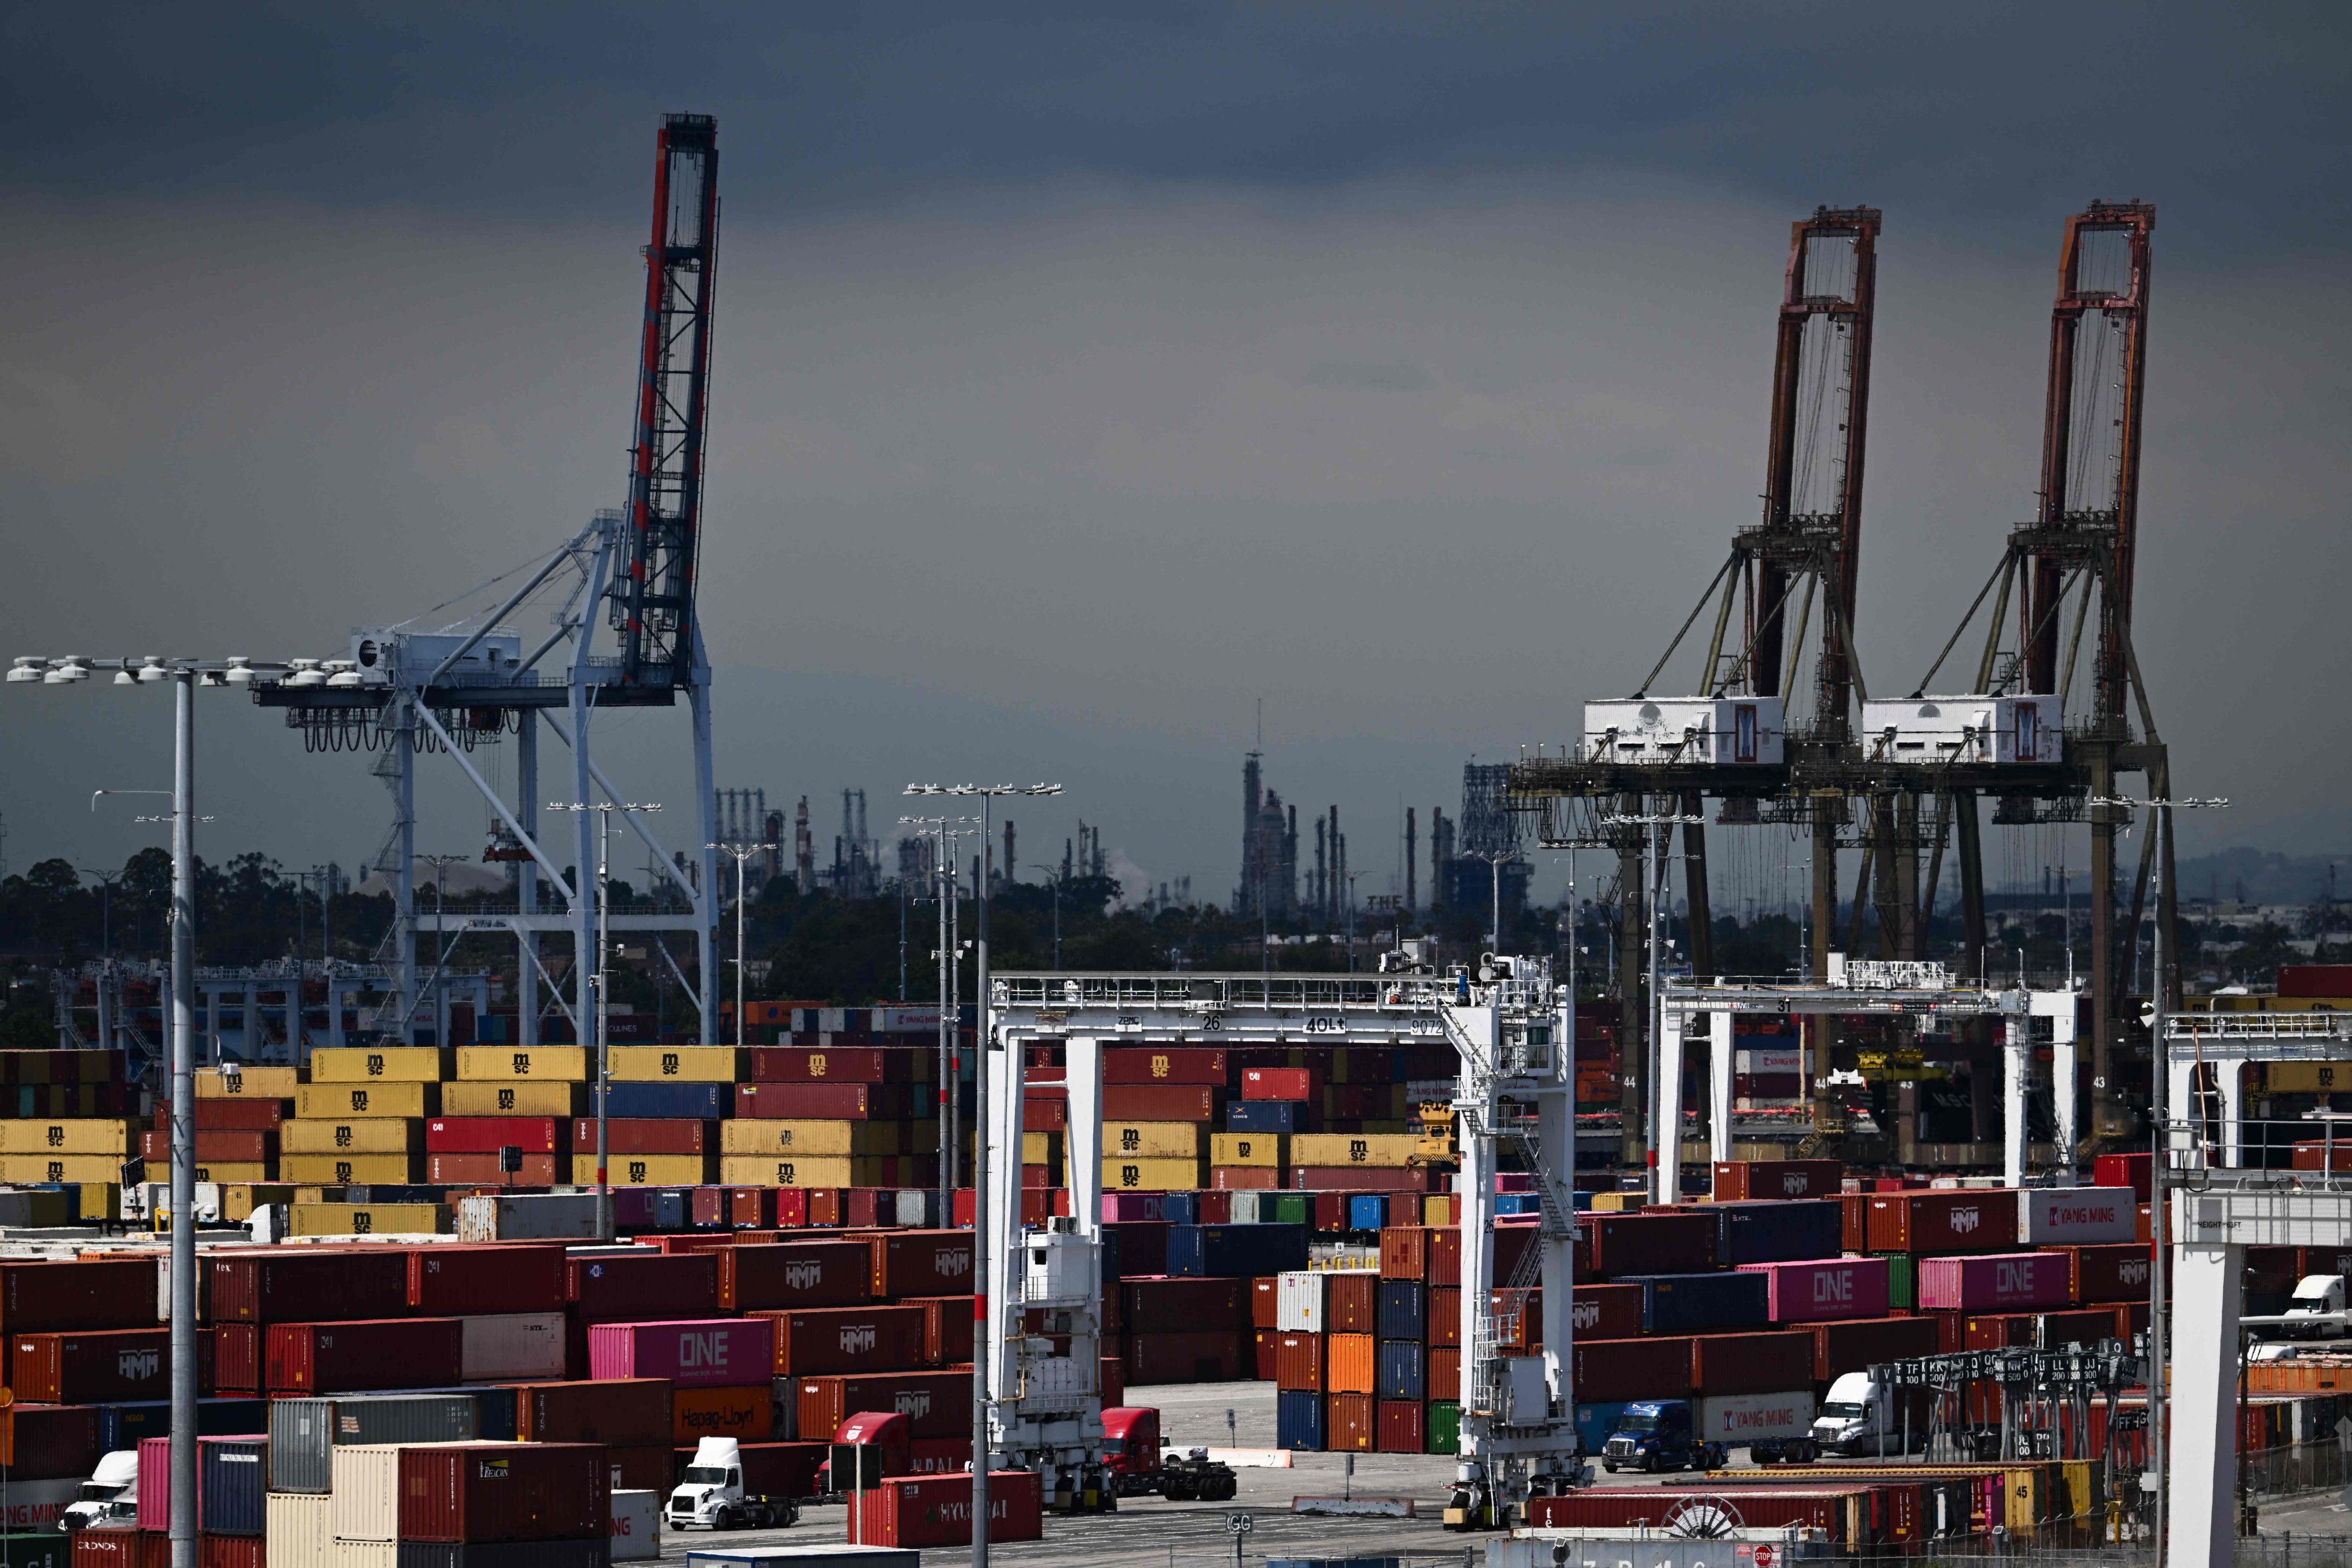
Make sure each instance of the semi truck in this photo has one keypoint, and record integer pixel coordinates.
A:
(110, 1496)
(1658, 1435)
(1141, 1466)
(712, 1493)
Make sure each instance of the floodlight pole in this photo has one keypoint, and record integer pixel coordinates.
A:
(1667, 1113)
(742, 853)
(601, 979)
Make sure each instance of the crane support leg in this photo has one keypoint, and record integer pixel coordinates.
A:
(2207, 1294)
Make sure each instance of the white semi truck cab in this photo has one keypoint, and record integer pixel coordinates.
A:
(110, 1496)
(713, 1494)
(1862, 1417)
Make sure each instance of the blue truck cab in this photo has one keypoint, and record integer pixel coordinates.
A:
(1657, 1435)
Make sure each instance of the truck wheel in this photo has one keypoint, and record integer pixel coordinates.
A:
(1609, 1466)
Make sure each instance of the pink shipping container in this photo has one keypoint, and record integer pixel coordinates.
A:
(1119, 1206)
(1823, 1290)
(1999, 1281)
(697, 1353)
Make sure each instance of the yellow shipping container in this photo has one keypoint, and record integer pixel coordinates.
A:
(246, 1083)
(60, 1167)
(525, 1097)
(100, 1201)
(1437, 1209)
(1155, 1140)
(768, 1138)
(84, 1135)
(501, 1064)
(368, 1219)
(234, 1170)
(1374, 1150)
(1149, 1175)
(1041, 1149)
(1249, 1149)
(375, 1136)
(379, 1064)
(239, 1201)
(807, 1171)
(674, 1064)
(644, 1169)
(1619, 1202)
(344, 1170)
(344, 1101)
(2307, 1078)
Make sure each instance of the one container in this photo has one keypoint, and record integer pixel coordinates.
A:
(1995, 1283)
(1822, 1289)
(690, 1353)
(518, 1491)
(379, 1352)
(526, 1346)
(618, 1412)
(304, 1433)
(2076, 1216)
(1774, 1231)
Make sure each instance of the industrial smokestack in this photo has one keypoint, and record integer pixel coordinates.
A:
(1411, 906)
(1008, 851)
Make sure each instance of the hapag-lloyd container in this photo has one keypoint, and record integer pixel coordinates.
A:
(1740, 1418)
(2076, 1216)
(796, 1274)
(517, 1492)
(1823, 1290)
(1994, 1282)
(305, 1433)
(691, 1352)
(520, 1345)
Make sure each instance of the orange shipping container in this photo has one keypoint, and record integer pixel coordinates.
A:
(1298, 1363)
(1351, 1364)
(746, 1415)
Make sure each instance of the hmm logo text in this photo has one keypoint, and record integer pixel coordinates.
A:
(803, 1276)
(138, 1364)
(1965, 1220)
(858, 1338)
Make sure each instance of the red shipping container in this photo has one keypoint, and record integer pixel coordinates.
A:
(1196, 1357)
(1444, 1314)
(1244, 1179)
(1996, 1332)
(236, 1358)
(1160, 1305)
(1114, 1386)
(1855, 1344)
(226, 1146)
(48, 1442)
(693, 1352)
(485, 1171)
(614, 1286)
(488, 1134)
(2132, 1171)
(505, 1491)
(862, 1207)
(750, 1209)
(869, 1338)
(1853, 1220)
(237, 1114)
(644, 1135)
(2120, 1271)
(1744, 1179)
(229, 1550)
(1994, 1281)
(948, 1327)
(1650, 1244)
(1772, 1362)
(936, 1511)
(796, 1274)
(935, 1403)
(1444, 1378)
(459, 1281)
(1159, 1102)
(1163, 1064)
(1818, 1290)
(1351, 1302)
(705, 1207)
(1299, 1362)
(619, 1413)
(1282, 1083)
(1944, 1220)
(1318, 1178)
(1600, 1312)
(350, 1357)
(325, 1284)
(1610, 1370)
(1264, 1296)
(828, 1064)
(824, 1102)
(101, 1368)
(2306, 981)
(1041, 1114)
(118, 1548)
(1404, 1252)
(922, 1263)
(45, 1298)
(1350, 1423)
(1402, 1426)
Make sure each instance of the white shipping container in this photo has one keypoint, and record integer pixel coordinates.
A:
(636, 1526)
(511, 1345)
(1299, 1302)
(1739, 1419)
(908, 1020)
(530, 1216)
(365, 1554)
(367, 1490)
(2078, 1216)
(298, 1530)
(39, 1505)
(1768, 1061)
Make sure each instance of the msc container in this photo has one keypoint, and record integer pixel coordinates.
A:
(2120, 1273)
(1639, 1243)
(299, 1530)
(526, 1346)
(1820, 1289)
(379, 1352)
(108, 1293)
(1403, 1369)
(94, 1368)
(1774, 1231)
(1751, 1363)
(1999, 1281)
(618, 1412)
(1404, 1310)
(1944, 1220)
(447, 1280)
(849, 1339)
(1161, 1103)
(1164, 1064)
(936, 1511)
(642, 1283)
(309, 1286)
(1298, 1420)
(1229, 1250)
(1687, 1303)
(304, 1433)
(518, 1491)
(690, 1352)
(1632, 1369)
(2076, 1216)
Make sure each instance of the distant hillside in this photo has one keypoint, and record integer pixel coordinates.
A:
(2264, 877)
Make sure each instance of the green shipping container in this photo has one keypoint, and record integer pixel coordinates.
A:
(1901, 1269)
(1443, 1426)
(46, 1549)
(1289, 1208)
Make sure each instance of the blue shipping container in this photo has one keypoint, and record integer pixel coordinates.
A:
(1298, 1421)
(1181, 1208)
(1224, 1251)
(650, 1208)
(1404, 1311)
(122, 1426)
(232, 1484)
(1403, 1369)
(696, 1101)
(1368, 1211)
(1518, 1202)
(1262, 1116)
(1595, 1422)
(1689, 1303)
(1141, 1248)
(1787, 1231)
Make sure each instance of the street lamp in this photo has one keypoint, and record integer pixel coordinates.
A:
(1666, 1120)
(741, 853)
(601, 979)
(980, 1250)
(2159, 1065)
(948, 955)
(185, 675)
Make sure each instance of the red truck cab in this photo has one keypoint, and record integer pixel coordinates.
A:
(1131, 1442)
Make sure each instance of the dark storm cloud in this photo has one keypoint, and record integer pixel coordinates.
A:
(1994, 113)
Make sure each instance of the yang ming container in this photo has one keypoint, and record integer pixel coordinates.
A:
(1822, 1289)
(2008, 1281)
(304, 1433)
(2076, 1216)
(518, 1491)
(697, 1353)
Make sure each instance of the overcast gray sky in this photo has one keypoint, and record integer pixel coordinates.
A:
(1085, 376)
